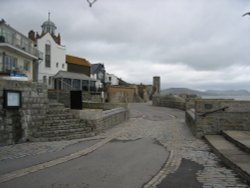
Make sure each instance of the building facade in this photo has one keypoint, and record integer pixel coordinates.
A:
(111, 79)
(77, 77)
(98, 72)
(54, 54)
(78, 65)
(18, 55)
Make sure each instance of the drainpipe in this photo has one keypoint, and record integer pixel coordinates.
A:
(89, 86)
(61, 83)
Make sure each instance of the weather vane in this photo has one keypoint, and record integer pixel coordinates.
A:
(91, 2)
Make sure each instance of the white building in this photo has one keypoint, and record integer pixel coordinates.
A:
(54, 58)
(111, 79)
(18, 54)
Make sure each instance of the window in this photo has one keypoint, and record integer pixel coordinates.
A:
(9, 63)
(45, 79)
(47, 55)
(67, 83)
(25, 44)
(50, 80)
(63, 65)
(85, 85)
(92, 86)
(76, 84)
(26, 65)
(57, 64)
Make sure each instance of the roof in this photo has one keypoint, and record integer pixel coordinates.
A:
(72, 75)
(77, 61)
(95, 68)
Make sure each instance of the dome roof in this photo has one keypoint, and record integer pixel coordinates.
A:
(48, 26)
(48, 23)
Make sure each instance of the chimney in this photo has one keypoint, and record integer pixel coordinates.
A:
(31, 35)
(59, 39)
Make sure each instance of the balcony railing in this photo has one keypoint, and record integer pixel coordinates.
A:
(22, 44)
(13, 69)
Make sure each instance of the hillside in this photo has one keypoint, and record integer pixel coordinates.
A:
(178, 91)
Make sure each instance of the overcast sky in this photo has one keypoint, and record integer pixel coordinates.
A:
(199, 44)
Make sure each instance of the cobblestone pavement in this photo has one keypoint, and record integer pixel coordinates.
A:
(36, 148)
(164, 125)
(168, 127)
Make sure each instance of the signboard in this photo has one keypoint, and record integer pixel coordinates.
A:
(12, 99)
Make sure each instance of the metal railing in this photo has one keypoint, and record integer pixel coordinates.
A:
(214, 111)
(22, 44)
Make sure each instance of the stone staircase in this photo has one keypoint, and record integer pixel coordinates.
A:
(61, 124)
(233, 147)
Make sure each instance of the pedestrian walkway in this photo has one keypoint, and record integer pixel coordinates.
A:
(36, 148)
(167, 128)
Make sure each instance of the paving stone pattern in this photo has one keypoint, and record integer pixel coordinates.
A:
(36, 148)
(169, 131)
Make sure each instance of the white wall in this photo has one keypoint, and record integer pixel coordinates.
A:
(58, 54)
(114, 79)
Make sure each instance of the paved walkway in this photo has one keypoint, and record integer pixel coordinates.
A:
(166, 127)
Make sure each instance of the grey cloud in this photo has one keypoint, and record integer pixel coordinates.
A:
(197, 35)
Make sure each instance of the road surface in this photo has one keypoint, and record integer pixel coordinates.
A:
(154, 148)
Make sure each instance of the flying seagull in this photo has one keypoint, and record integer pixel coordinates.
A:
(248, 13)
(91, 2)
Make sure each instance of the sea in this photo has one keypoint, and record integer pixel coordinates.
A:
(239, 98)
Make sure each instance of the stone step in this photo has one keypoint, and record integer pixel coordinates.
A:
(61, 132)
(231, 155)
(57, 111)
(53, 101)
(56, 122)
(239, 138)
(68, 137)
(59, 117)
(56, 104)
(61, 127)
(62, 113)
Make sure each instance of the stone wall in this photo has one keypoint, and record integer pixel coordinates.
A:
(64, 97)
(38, 114)
(100, 120)
(170, 101)
(103, 106)
(208, 117)
(113, 117)
(17, 125)
(121, 94)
